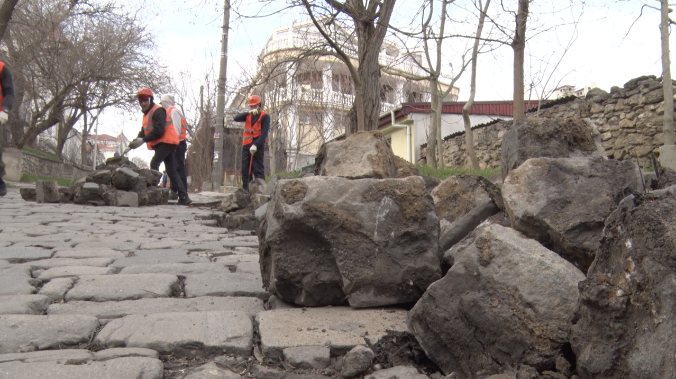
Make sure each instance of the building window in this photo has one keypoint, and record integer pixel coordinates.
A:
(310, 118)
(387, 94)
(341, 83)
(312, 79)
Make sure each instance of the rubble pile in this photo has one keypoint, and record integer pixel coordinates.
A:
(117, 182)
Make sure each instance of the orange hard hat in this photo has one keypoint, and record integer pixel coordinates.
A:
(254, 100)
(144, 92)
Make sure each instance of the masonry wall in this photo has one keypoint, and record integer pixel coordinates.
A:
(31, 164)
(629, 120)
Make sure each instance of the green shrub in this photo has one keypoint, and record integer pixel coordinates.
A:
(33, 179)
(288, 174)
(444, 173)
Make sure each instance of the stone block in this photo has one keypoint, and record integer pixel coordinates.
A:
(225, 284)
(115, 309)
(130, 367)
(89, 194)
(22, 333)
(182, 334)
(339, 328)
(158, 196)
(125, 199)
(28, 194)
(47, 191)
(122, 287)
(124, 179)
(24, 304)
(308, 357)
(55, 289)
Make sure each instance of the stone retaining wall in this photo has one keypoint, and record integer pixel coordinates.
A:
(21, 162)
(629, 119)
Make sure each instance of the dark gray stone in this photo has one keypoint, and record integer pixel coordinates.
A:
(124, 179)
(463, 202)
(101, 177)
(158, 196)
(308, 357)
(625, 321)
(362, 155)
(28, 194)
(371, 242)
(47, 191)
(403, 372)
(505, 301)
(563, 203)
(549, 138)
(357, 361)
(89, 194)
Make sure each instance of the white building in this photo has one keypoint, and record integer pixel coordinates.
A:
(309, 95)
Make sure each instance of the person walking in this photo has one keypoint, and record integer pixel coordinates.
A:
(159, 134)
(178, 120)
(163, 181)
(6, 102)
(253, 141)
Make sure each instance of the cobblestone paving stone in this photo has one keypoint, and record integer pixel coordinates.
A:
(153, 292)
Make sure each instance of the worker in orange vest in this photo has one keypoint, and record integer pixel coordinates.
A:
(178, 120)
(6, 102)
(253, 141)
(159, 134)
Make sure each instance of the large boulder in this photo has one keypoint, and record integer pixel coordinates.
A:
(371, 242)
(625, 322)
(549, 138)
(463, 202)
(506, 301)
(362, 155)
(563, 203)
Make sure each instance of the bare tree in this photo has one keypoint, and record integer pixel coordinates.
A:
(469, 134)
(139, 162)
(371, 20)
(667, 84)
(6, 10)
(69, 55)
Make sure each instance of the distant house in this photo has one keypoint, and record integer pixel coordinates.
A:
(411, 125)
(108, 145)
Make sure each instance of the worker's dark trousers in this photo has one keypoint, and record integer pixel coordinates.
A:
(164, 152)
(257, 166)
(179, 159)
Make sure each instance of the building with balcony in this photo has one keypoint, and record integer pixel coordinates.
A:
(308, 91)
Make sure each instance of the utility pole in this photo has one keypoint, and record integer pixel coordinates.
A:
(668, 150)
(217, 166)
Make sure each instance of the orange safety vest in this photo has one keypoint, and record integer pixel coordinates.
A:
(252, 131)
(182, 136)
(169, 135)
(2, 97)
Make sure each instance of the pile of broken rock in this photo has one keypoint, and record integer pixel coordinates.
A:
(117, 182)
(562, 268)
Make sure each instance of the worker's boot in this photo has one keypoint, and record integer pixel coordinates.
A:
(173, 196)
(184, 200)
(3, 188)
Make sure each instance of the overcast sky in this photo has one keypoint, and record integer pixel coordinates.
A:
(605, 51)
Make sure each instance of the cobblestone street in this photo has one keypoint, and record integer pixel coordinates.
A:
(149, 292)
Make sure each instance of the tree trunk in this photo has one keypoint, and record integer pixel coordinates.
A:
(6, 10)
(519, 46)
(667, 85)
(434, 116)
(436, 119)
(469, 134)
(83, 148)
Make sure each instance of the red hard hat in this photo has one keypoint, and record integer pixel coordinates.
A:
(145, 92)
(254, 100)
